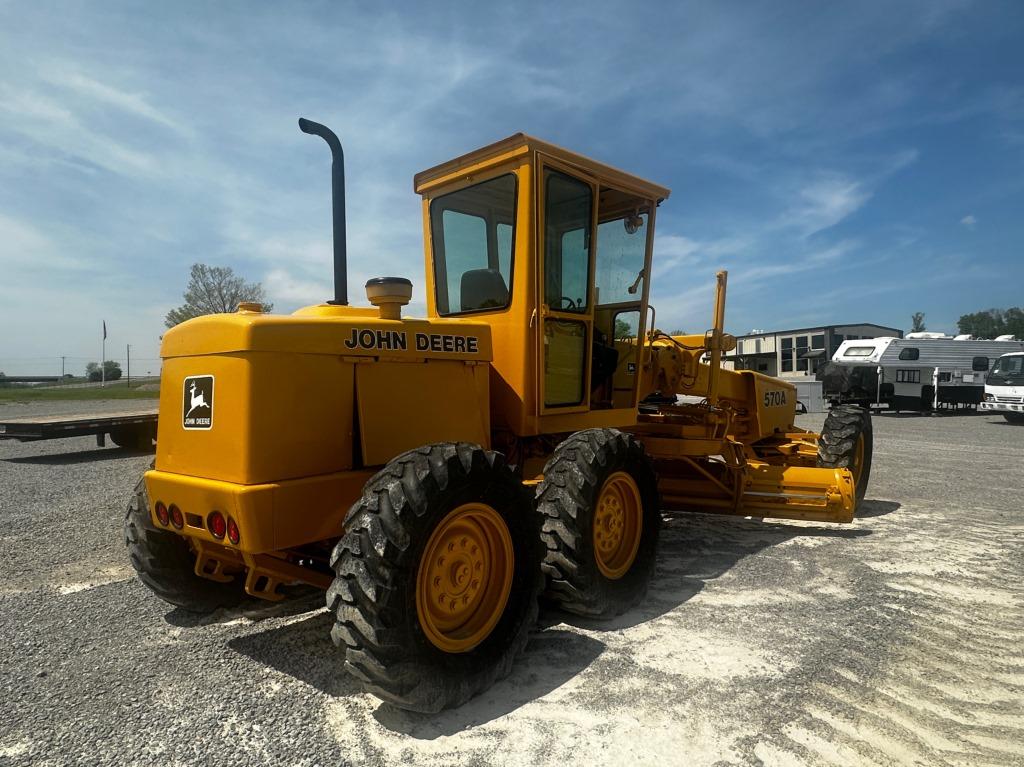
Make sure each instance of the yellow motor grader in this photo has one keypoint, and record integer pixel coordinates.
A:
(435, 475)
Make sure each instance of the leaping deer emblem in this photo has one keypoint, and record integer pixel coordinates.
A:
(197, 400)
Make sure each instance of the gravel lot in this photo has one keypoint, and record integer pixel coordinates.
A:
(894, 640)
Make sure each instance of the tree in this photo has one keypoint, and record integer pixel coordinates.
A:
(678, 332)
(215, 290)
(917, 318)
(1013, 322)
(987, 324)
(623, 329)
(111, 371)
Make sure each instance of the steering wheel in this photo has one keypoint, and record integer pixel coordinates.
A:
(568, 303)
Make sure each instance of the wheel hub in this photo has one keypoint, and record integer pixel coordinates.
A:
(618, 524)
(464, 578)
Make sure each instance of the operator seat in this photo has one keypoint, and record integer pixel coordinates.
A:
(483, 289)
(604, 361)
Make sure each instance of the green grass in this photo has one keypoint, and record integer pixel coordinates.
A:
(110, 391)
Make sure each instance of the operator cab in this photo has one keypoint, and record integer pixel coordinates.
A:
(552, 250)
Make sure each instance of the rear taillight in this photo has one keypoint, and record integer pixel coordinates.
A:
(216, 524)
(233, 534)
(176, 517)
(161, 513)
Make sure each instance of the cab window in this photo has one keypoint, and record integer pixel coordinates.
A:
(568, 205)
(473, 234)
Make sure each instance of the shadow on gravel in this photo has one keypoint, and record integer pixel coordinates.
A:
(302, 650)
(302, 599)
(870, 508)
(80, 456)
(695, 549)
(552, 658)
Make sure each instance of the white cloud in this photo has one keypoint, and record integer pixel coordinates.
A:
(104, 94)
(58, 127)
(825, 202)
(671, 251)
(134, 154)
(26, 253)
(283, 286)
(969, 221)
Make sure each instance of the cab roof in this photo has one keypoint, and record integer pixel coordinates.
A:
(519, 144)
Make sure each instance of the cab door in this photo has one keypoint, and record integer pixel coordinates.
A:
(567, 221)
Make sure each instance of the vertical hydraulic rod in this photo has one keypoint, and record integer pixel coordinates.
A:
(717, 328)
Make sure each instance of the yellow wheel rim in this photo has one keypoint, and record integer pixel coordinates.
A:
(618, 523)
(464, 578)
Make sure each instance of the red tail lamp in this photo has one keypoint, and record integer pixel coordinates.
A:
(177, 519)
(161, 513)
(233, 534)
(216, 524)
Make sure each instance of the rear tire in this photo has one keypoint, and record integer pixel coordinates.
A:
(392, 640)
(133, 437)
(1014, 418)
(165, 563)
(847, 442)
(582, 577)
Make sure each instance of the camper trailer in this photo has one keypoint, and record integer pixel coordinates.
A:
(1004, 388)
(923, 371)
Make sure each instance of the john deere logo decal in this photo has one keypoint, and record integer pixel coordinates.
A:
(197, 410)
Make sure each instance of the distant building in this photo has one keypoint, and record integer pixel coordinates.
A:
(797, 353)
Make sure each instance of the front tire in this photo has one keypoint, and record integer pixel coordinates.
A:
(601, 518)
(437, 577)
(165, 563)
(1014, 418)
(847, 442)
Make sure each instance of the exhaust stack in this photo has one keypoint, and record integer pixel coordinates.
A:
(338, 206)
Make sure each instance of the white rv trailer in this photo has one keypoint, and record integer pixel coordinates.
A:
(1004, 388)
(926, 370)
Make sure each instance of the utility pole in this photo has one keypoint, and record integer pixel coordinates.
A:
(129, 347)
(103, 357)
(62, 368)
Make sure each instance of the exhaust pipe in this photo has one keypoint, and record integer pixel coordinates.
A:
(338, 204)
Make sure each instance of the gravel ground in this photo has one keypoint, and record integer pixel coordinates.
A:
(894, 640)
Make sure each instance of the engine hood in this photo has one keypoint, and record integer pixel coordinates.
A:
(332, 330)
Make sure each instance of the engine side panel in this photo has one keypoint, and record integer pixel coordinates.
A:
(408, 405)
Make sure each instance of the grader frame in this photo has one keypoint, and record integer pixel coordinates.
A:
(435, 474)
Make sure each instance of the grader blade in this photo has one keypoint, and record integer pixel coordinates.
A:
(762, 490)
(799, 492)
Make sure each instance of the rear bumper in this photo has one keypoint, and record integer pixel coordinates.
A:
(1001, 407)
(270, 517)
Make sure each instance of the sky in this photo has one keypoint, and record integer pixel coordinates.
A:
(847, 162)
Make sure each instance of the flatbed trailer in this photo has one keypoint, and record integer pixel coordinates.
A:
(133, 430)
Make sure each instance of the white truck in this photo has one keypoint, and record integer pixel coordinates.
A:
(925, 371)
(1004, 388)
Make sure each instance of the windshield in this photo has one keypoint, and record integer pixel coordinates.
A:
(1009, 366)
